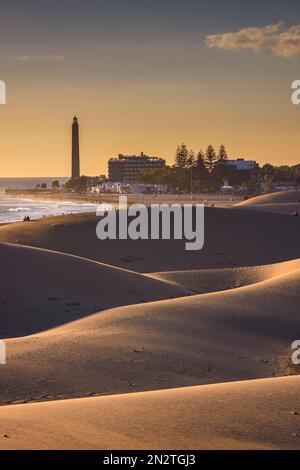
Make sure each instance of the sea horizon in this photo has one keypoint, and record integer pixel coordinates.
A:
(29, 182)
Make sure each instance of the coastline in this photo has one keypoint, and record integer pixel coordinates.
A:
(14, 208)
(146, 314)
(101, 198)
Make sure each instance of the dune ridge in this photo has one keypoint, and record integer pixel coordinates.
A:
(105, 340)
(279, 197)
(287, 202)
(233, 238)
(260, 414)
(54, 288)
(239, 334)
(213, 280)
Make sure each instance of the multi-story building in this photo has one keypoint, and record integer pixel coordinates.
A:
(127, 168)
(242, 164)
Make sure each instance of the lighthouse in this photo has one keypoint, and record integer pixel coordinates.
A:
(75, 149)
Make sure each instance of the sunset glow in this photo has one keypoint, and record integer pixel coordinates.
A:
(144, 78)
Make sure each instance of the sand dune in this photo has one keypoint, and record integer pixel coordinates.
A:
(238, 334)
(233, 238)
(40, 289)
(282, 202)
(213, 280)
(105, 330)
(261, 414)
(288, 209)
(281, 197)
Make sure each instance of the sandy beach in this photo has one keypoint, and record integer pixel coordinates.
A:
(140, 344)
(99, 198)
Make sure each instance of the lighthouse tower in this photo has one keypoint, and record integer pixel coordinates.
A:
(75, 149)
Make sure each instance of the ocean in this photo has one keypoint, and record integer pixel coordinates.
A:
(14, 209)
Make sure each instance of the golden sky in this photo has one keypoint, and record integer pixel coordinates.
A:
(145, 86)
